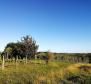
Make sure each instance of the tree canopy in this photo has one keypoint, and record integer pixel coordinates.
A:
(25, 47)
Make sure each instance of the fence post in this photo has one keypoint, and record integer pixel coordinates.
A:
(3, 62)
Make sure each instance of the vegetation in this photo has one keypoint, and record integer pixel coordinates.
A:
(26, 48)
(68, 57)
(54, 72)
(22, 64)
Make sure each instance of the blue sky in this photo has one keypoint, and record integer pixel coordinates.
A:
(56, 25)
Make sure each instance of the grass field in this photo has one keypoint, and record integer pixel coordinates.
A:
(38, 72)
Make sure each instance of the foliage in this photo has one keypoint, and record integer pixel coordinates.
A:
(49, 56)
(17, 49)
(30, 46)
(26, 47)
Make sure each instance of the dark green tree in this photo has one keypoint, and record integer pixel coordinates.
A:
(15, 50)
(26, 48)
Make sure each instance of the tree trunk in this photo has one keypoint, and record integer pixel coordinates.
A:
(26, 59)
(35, 57)
(7, 56)
(16, 62)
(16, 59)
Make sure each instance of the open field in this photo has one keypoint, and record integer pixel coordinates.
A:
(38, 72)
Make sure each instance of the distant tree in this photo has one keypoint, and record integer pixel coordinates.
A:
(30, 46)
(89, 57)
(49, 56)
(41, 55)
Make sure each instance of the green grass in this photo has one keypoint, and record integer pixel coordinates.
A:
(37, 72)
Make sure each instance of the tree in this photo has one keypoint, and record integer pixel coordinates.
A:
(89, 57)
(25, 48)
(41, 55)
(49, 56)
(15, 50)
(30, 46)
(8, 51)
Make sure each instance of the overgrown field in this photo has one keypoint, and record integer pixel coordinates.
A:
(38, 72)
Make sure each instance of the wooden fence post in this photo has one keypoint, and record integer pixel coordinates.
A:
(3, 62)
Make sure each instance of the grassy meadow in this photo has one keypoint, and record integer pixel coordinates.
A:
(38, 72)
(20, 63)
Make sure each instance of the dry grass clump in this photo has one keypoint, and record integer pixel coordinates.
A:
(79, 66)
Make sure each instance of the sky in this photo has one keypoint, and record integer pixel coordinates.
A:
(56, 25)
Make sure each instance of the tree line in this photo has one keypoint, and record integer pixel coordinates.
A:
(68, 57)
(27, 48)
